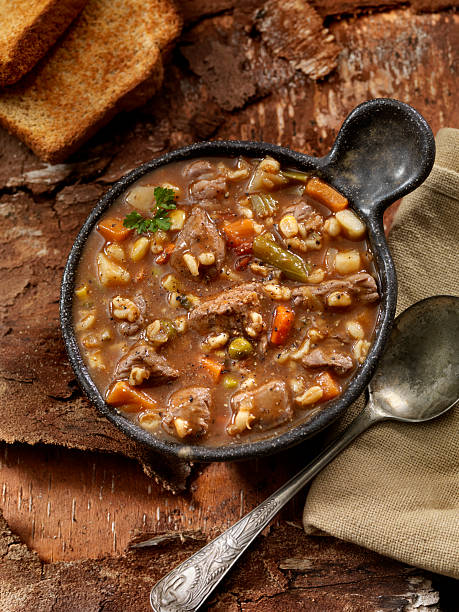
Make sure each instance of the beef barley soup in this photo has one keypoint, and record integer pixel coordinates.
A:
(223, 300)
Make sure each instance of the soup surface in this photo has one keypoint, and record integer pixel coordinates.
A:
(225, 299)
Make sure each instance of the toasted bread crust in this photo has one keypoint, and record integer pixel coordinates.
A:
(30, 32)
(109, 59)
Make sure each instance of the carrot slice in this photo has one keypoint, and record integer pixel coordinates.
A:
(282, 324)
(113, 229)
(215, 369)
(165, 255)
(123, 393)
(329, 385)
(240, 232)
(323, 193)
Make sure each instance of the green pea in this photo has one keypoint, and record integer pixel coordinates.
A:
(239, 348)
(230, 382)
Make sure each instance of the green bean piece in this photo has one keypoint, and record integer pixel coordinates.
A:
(292, 265)
(230, 382)
(295, 175)
(239, 348)
(263, 204)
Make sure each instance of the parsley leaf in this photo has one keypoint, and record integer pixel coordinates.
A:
(165, 198)
(163, 224)
(135, 221)
(165, 201)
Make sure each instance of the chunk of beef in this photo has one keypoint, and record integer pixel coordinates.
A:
(329, 355)
(198, 235)
(301, 210)
(228, 310)
(200, 168)
(208, 190)
(189, 412)
(304, 213)
(130, 329)
(141, 355)
(361, 285)
(264, 408)
(364, 287)
(208, 185)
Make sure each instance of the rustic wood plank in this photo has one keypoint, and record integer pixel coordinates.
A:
(76, 506)
(69, 504)
(43, 206)
(270, 578)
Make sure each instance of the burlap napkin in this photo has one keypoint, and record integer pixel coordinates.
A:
(395, 490)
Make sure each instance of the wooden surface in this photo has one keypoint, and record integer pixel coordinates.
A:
(234, 74)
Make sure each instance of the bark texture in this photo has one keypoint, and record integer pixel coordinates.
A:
(281, 71)
(285, 570)
(256, 70)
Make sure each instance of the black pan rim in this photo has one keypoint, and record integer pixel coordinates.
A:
(387, 281)
(237, 450)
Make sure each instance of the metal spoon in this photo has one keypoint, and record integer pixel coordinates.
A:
(417, 380)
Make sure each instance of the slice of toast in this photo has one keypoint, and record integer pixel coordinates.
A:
(110, 59)
(28, 29)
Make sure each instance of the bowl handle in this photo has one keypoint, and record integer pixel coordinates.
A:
(384, 150)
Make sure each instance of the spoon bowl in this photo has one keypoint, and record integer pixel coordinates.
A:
(418, 375)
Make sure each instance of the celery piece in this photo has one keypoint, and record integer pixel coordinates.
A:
(263, 205)
(296, 175)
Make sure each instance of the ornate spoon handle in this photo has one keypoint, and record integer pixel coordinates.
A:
(187, 586)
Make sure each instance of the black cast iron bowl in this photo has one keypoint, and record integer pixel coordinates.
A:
(384, 150)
